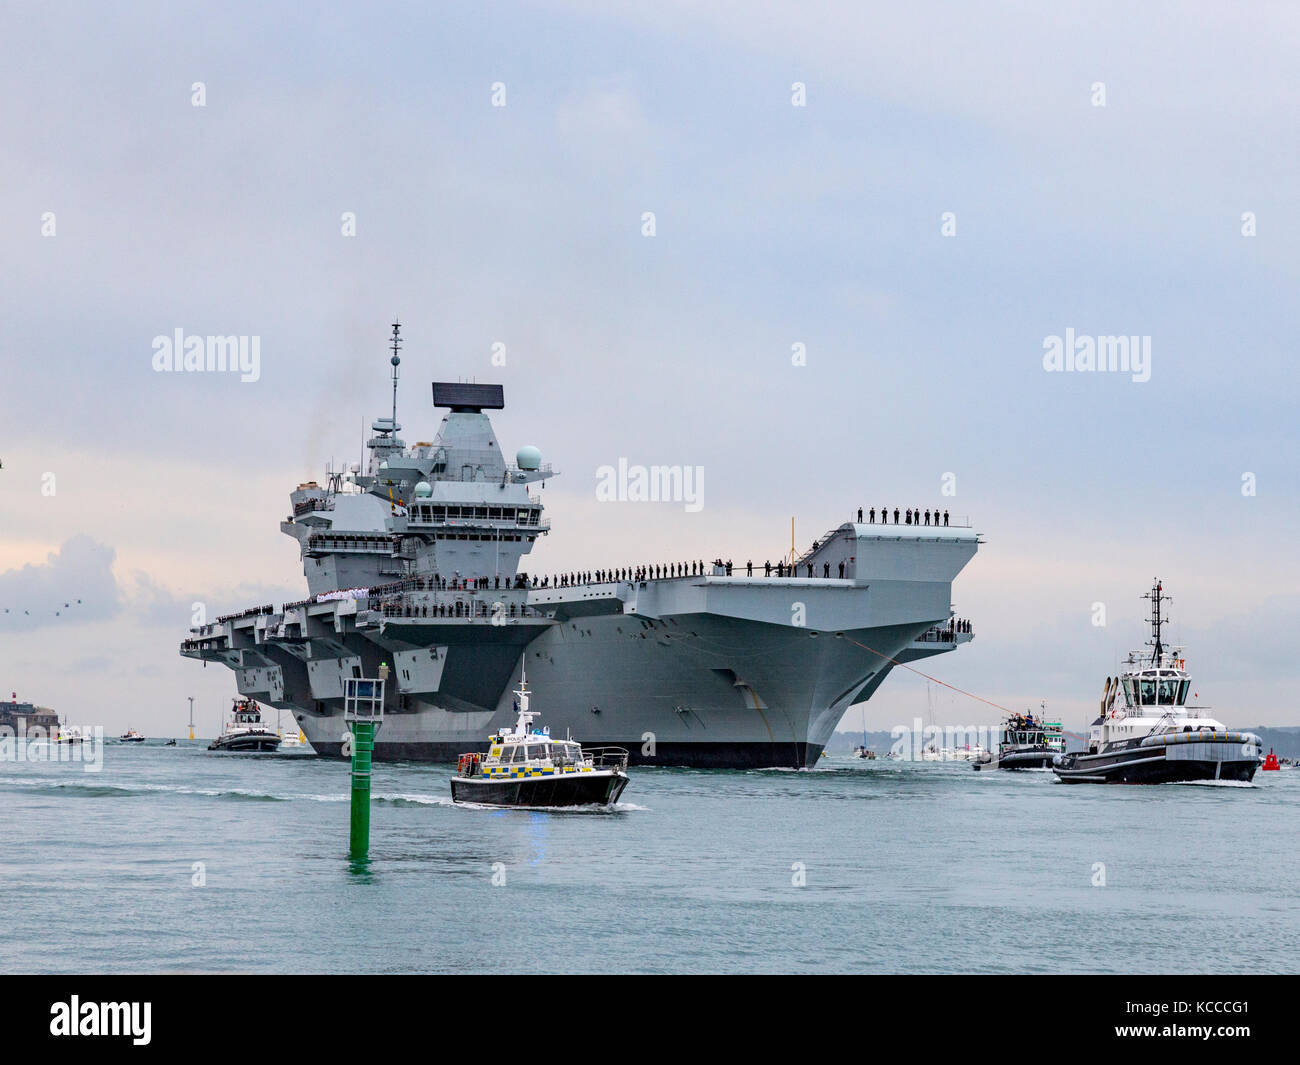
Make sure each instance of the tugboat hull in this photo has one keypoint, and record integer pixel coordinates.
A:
(1165, 760)
(1018, 760)
(569, 789)
(245, 743)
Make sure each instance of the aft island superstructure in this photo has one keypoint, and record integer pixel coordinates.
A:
(416, 562)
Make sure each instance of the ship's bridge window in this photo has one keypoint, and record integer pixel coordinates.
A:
(1182, 691)
(1147, 691)
(538, 751)
(1130, 696)
(1168, 689)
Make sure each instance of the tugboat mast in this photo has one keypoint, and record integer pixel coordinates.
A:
(1156, 596)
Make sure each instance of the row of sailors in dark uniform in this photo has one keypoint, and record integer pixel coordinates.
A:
(437, 583)
(458, 609)
(661, 571)
(910, 517)
(669, 571)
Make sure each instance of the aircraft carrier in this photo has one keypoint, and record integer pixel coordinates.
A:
(415, 563)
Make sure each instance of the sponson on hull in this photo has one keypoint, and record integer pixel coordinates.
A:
(526, 767)
(1148, 734)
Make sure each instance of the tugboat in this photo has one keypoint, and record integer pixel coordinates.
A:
(526, 767)
(245, 731)
(1027, 742)
(1153, 736)
(131, 736)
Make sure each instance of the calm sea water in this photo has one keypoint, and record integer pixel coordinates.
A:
(907, 868)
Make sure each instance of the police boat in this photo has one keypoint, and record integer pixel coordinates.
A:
(525, 766)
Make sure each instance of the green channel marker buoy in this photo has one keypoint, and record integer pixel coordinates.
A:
(363, 710)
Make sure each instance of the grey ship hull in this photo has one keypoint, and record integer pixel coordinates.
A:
(708, 671)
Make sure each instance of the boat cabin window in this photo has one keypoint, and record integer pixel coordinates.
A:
(1159, 689)
(1130, 692)
(510, 753)
(538, 751)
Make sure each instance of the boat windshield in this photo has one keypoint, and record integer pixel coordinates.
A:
(1167, 689)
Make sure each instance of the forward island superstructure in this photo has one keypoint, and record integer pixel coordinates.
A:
(416, 562)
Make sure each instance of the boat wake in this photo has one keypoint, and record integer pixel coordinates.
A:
(587, 810)
(103, 791)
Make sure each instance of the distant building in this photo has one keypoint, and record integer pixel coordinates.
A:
(23, 717)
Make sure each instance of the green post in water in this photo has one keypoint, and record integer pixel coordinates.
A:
(363, 745)
(363, 709)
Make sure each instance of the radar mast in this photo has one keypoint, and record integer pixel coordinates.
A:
(1156, 596)
(396, 360)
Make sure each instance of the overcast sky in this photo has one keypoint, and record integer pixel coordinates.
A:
(775, 225)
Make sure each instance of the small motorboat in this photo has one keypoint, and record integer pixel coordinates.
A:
(131, 736)
(528, 767)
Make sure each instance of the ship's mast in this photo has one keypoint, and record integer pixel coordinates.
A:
(396, 361)
(1156, 596)
(525, 715)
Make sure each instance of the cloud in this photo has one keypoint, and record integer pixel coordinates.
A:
(74, 585)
